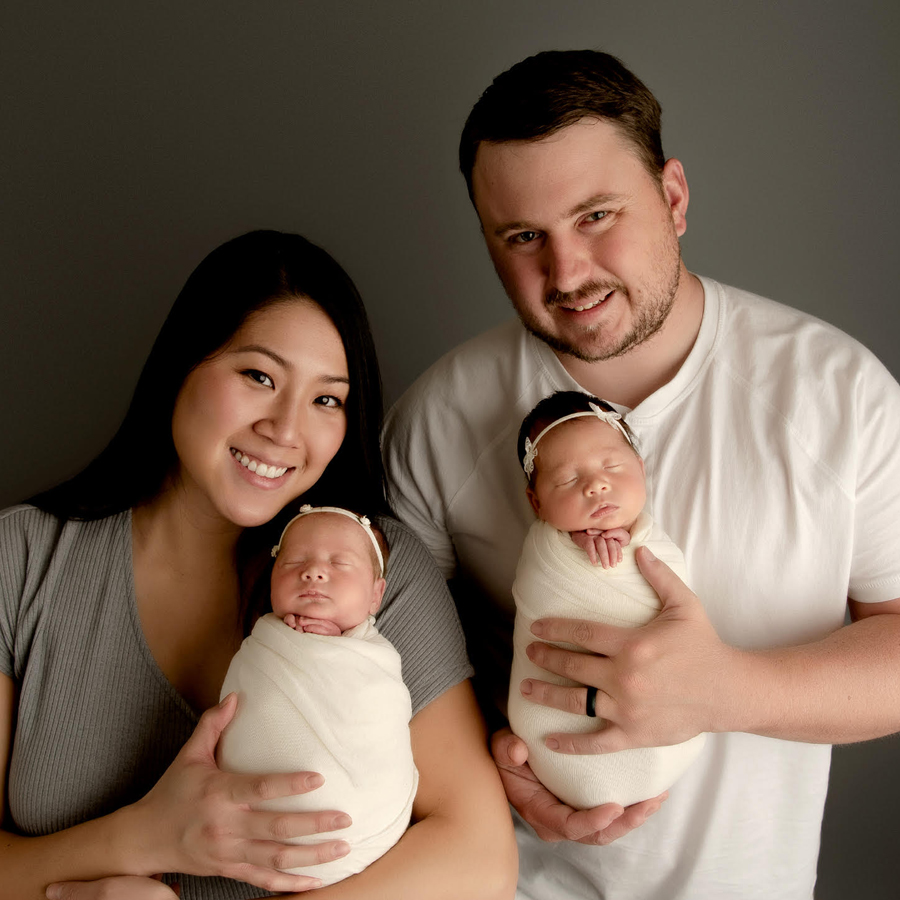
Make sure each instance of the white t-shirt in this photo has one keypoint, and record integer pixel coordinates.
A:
(772, 461)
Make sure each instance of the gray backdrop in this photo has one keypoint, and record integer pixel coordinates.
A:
(136, 137)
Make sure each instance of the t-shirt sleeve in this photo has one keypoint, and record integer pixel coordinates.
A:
(25, 536)
(419, 618)
(875, 573)
(412, 443)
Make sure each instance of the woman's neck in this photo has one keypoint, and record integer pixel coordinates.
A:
(182, 538)
(187, 592)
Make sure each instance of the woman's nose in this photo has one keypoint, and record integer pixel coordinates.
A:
(283, 423)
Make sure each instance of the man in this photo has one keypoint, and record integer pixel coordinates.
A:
(770, 446)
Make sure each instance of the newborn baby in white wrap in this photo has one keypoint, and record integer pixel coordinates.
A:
(587, 479)
(319, 689)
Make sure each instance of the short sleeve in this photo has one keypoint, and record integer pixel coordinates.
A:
(875, 573)
(419, 618)
(13, 552)
(412, 465)
(27, 537)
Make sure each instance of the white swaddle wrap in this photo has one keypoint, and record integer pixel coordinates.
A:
(333, 705)
(554, 577)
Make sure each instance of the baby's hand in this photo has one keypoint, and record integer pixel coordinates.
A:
(604, 547)
(312, 626)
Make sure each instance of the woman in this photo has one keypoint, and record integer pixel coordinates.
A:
(125, 593)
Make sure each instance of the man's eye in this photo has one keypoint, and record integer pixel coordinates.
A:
(523, 237)
(259, 377)
(596, 216)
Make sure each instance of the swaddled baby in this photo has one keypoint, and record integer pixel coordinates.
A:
(586, 477)
(319, 689)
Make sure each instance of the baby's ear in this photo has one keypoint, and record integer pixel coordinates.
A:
(533, 500)
(377, 595)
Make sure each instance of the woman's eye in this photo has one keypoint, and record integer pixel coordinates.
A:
(330, 401)
(259, 377)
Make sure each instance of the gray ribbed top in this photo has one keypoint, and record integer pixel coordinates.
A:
(97, 721)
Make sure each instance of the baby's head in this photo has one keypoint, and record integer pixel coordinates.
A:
(329, 566)
(582, 467)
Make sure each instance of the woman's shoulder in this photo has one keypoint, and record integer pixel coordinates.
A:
(38, 526)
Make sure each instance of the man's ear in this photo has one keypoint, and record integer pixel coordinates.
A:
(675, 190)
(533, 500)
(377, 595)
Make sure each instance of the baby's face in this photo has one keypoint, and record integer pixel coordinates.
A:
(325, 570)
(587, 476)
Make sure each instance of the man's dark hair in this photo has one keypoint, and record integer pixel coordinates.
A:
(546, 92)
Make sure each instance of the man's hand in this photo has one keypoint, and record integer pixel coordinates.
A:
(551, 819)
(659, 684)
(604, 547)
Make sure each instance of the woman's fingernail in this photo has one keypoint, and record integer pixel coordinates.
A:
(537, 628)
(527, 686)
(53, 892)
(649, 553)
(341, 821)
(313, 781)
(341, 848)
(552, 743)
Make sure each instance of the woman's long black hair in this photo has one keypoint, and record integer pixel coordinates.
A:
(240, 277)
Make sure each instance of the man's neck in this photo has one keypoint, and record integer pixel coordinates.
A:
(629, 379)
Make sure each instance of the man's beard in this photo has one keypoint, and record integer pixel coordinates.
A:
(649, 319)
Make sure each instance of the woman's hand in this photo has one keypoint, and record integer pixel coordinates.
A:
(200, 820)
(121, 887)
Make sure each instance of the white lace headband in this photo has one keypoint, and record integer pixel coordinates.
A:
(611, 418)
(362, 521)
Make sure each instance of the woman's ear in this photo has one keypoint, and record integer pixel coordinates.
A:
(377, 595)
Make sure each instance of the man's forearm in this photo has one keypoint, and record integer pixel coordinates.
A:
(841, 689)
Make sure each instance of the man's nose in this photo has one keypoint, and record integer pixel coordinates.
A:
(568, 263)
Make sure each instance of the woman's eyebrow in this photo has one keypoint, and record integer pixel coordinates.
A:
(286, 364)
(265, 351)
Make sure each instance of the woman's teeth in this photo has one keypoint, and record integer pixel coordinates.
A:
(258, 467)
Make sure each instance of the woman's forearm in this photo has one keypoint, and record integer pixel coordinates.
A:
(95, 849)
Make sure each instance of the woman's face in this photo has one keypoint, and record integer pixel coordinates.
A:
(255, 425)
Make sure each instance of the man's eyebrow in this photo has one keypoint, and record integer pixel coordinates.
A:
(592, 203)
(588, 205)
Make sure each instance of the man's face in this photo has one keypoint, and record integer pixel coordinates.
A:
(584, 239)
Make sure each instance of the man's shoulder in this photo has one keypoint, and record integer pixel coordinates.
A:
(768, 342)
(474, 388)
(491, 354)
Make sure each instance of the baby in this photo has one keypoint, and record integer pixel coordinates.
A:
(585, 478)
(319, 689)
